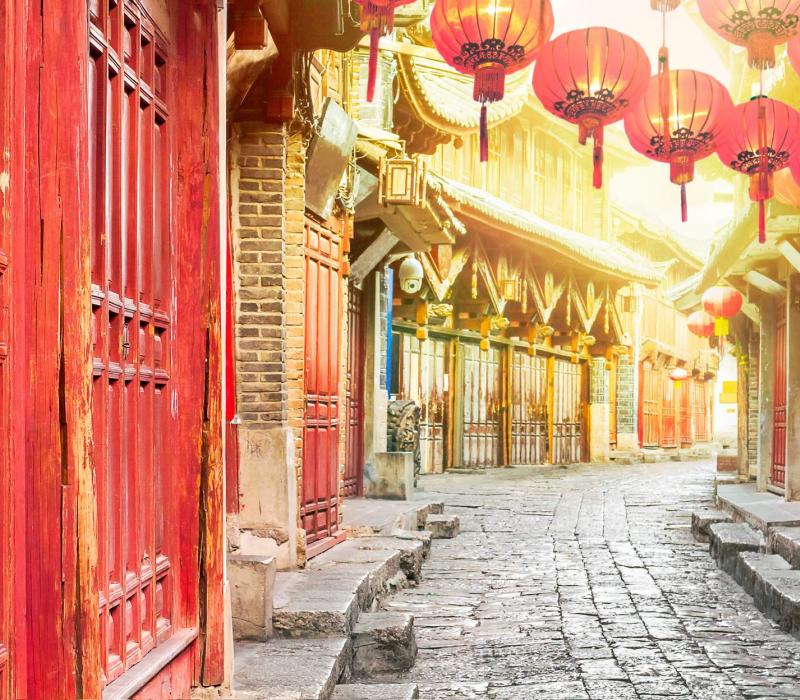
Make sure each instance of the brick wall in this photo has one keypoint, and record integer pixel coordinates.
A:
(598, 381)
(752, 400)
(626, 399)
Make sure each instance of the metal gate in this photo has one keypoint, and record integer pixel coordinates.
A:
(356, 347)
(651, 393)
(133, 333)
(668, 412)
(567, 445)
(700, 408)
(319, 507)
(684, 413)
(778, 472)
(482, 399)
(423, 377)
(528, 409)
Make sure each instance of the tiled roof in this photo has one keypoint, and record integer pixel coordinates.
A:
(591, 252)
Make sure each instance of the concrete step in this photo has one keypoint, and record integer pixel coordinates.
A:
(383, 643)
(702, 519)
(290, 669)
(443, 527)
(786, 542)
(379, 691)
(326, 598)
(412, 552)
(422, 536)
(754, 565)
(728, 539)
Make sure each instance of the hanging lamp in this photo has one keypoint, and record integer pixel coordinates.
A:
(723, 303)
(701, 323)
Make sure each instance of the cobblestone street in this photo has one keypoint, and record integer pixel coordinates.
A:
(586, 583)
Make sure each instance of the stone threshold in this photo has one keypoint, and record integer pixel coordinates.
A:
(761, 510)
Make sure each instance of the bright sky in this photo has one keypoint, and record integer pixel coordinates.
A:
(647, 190)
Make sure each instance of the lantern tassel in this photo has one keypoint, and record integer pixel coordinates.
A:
(597, 157)
(374, 41)
(484, 133)
(684, 204)
(762, 221)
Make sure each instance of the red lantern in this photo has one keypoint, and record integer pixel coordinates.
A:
(722, 303)
(490, 39)
(761, 138)
(698, 109)
(377, 19)
(793, 51)
(701, 324)
(678, 375)
(591, 77)
(759, 25)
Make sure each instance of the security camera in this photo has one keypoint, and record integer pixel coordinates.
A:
(411, 275)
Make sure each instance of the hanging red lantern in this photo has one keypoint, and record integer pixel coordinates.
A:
(591, 77)
(699, 108)
(701, 324)
(377, 19)
(678, 375)
(793, 52)
(759, 25)
(722, 303)
(761, 138)
(490, 39)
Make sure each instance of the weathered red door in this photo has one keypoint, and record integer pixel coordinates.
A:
(422, 378)
(132, 291)
(567, 447)
(482, 399)
(668, 413)
(356, 347)
(778, 472)
(684, 412)
(700, 409)
(528, 409)
(652, 394)
(319, 508)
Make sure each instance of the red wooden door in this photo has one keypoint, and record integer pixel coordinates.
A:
(528, 409)
(700, 410)
(652, 396)
(319, 508)
(132, 289)
(778, 472)
(567, 447)
(482, 398)
(6, 478)
(354, 458)
(684, 412)
(668, 412)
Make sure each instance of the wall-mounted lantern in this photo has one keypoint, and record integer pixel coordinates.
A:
(402, 181)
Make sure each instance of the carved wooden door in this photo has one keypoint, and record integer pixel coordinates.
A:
(778, 471)
(567, 447)
(354, 458)
(319, 508)
(528, 409)
(668, 412)
(132, 289)
(423, 370)
(652, 395)
(482, 400)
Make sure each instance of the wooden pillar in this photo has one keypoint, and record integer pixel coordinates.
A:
(457, 404)
(551, 368)
(766, 391)
(792, 491)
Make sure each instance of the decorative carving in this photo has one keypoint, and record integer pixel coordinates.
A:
(403, 431)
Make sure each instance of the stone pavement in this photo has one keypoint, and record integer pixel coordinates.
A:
(585, 583)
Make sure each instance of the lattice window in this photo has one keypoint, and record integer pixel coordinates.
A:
(132, 280)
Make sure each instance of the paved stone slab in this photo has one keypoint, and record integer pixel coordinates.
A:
(381, 691)
(383, 642)
(728, 539)
(702, 519)
(777, 595)
(289, 669)
(786, 542)
(754, 565)
(443, 527)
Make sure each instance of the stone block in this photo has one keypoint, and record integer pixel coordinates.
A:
(422, 536)
(432, 508)
(776, 593)
(391, 476)
(376, 691)
(786, 542)
(412, 552)
(753, 565)
(443, 527)
(703, 519)
(383, 642)
(252, 580)
(728, 539)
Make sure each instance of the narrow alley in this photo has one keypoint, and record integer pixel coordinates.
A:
(586, 583)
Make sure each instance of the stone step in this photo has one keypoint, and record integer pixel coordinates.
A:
(383, 643)
(728, 539)
(412, 552)
(702, 519)
(422, 536)
(326, 598)
(378, 691)
(289, 669)
(786, 542)
(752, 565)
(443, 527)
(776, 593)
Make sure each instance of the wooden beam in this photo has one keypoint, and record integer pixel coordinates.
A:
(372, 255)
(766, 284)
(789, 252)
(750, 310)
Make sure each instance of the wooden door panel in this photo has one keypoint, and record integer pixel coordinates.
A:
(567, 445)
(685, 413)
(778, 471)
(652, 396)
(700, 407)
(668, 436)
(6, 480)
(482, 398)
(354, 460)
(528, 409)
